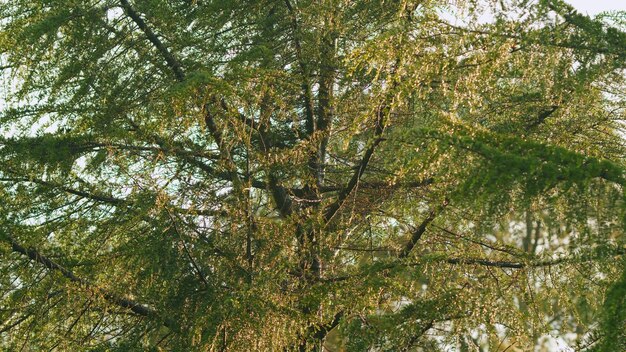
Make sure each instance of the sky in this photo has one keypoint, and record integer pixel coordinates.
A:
(592, 7)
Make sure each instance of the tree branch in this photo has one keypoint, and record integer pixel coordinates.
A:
(419, 231)
(503, 264)
(307, 94)
(123, 302)
(83, 194)
(177, 69)
(371, 185)
(381, 120)
(319, 331)
(171, 61)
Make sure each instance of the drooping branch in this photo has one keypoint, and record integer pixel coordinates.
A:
(83, 194)
(611, 39)
(115, 201)
(123, 302)
(139, 148)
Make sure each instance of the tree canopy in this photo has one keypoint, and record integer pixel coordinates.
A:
(328, 175)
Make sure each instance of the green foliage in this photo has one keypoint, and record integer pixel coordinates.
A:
(613, 323)
(537, 167)
(310, 175)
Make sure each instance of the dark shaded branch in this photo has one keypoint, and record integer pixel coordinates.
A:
(318, 332)
(325, 95)
(543, 116)
(506, 250)
(417, 336)
(193, 262)
(531, 39)
(172, 151)
(535, 264)
(503, 264)
(307, 95)
(283, 201)
(419, 231)
(169, 58)
(77, 319)
(16, 323)
(361, 249)
(97, 197)
(381, 120)
(190, 159)
(372, 185)
(323, 330)
(132, 305)
(497, 264)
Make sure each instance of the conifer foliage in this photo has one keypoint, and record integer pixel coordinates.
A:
(311, 175)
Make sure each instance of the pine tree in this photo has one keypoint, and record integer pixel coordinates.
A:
(326, 175)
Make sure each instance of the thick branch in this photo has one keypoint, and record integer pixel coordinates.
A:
(362, 166)
(177, 69)
(307, 94)
(542, 116)
(325, 96)
(318, 332)
(171, 61)
(419, 231)
(323, 330)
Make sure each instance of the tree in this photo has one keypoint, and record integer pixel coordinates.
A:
(310, 175)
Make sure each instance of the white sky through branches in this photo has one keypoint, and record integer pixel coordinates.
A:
(593, 7)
